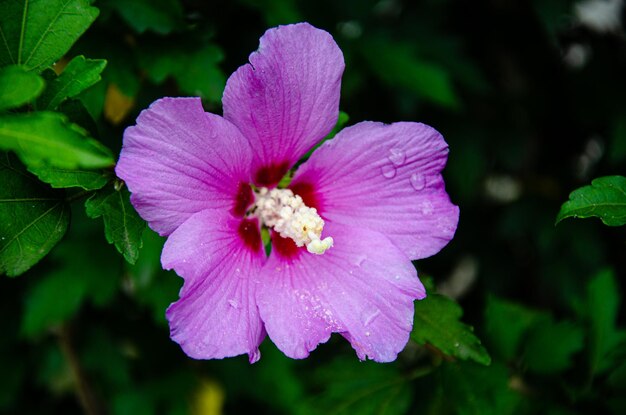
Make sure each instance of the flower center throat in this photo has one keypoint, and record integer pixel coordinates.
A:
(287, 215)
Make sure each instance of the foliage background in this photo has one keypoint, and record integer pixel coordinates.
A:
(532, 103)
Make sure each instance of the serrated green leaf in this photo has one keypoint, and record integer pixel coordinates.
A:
(551, 345)
(77, 76)
(437, 322)
(18, 87)
(360, 388)
(605, 199)
(603, 300)
(507, 323)
(33, 218)
(46, 138)
(35, 34)
(122, 225)
(80, 271)
(64, 178)
(160, 16)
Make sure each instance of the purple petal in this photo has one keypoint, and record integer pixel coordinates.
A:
(363, 288)
(287, 98)
(179, 160)
(216, 315)
(385, 178)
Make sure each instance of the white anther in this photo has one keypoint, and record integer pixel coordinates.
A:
(287, 214)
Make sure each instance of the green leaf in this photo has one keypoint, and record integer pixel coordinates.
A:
(361, 388)
(77, 76)
(35, 34)
(18, 87)
(397, 65)
(506, 324)
(33, 218)
(122, 225)
(80, 271)
(160, 16)
(437, 322)
(551, 345)
(46, 138)
(64, 178)
(603, 299)
(605, 198)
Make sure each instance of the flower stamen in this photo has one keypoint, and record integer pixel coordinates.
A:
(287, 214)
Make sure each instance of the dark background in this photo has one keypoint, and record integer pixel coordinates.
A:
(532, 104)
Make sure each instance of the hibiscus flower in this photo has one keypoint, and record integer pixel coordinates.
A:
(343, 234)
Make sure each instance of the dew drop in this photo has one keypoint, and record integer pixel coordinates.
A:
(233, 303)
(397, 156)
(427, 207)
(359, 260)
(371, 317)
(367, 333)
(417, 181)
(397, 277)
(389, 171)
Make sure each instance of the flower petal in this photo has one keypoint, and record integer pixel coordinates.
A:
(287, 98)
(216, 315)
(179, 160)
(385, 178)
(363, 288)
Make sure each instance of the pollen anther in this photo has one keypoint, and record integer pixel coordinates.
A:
(287, 214)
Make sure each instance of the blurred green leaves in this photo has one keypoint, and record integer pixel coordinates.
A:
(363, 388)
(603, 301)
(194, 67)
(37, 33)
(80, 271)
(33, 218)
(398, 65)
(18, 87)
(437, 322)
(160, 16)
(605, 199)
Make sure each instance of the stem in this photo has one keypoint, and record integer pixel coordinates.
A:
(85, 393)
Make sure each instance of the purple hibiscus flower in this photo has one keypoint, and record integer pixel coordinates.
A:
(343, 234)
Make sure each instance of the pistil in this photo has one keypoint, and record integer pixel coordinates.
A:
(287, 215)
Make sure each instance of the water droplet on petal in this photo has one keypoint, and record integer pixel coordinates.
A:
(397, 156)
(367, 333)
(371, 317)
(389, 171)
(233, 303)
(418, 181)
(359, 260)
(427, 207)
(397, 277)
